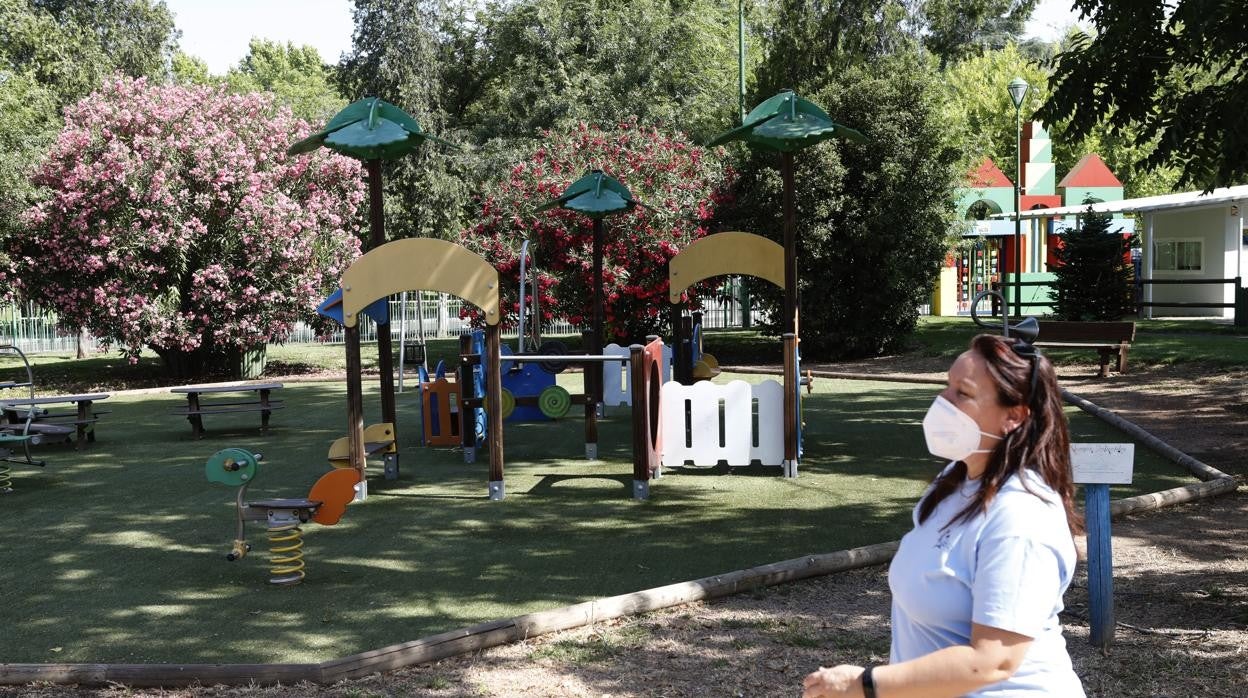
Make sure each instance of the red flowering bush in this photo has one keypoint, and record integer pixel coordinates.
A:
(175, 220)
(681, 182)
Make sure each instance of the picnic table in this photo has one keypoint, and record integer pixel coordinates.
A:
(63, 423)
(196, 409)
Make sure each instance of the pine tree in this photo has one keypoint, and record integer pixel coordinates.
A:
(1095, 277)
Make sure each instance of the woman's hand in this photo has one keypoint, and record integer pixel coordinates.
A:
(843, 680)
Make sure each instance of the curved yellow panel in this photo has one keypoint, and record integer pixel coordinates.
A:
(725, 253)
(419, 264)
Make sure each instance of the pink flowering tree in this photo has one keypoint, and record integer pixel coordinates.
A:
(682, 184)
(174, 220)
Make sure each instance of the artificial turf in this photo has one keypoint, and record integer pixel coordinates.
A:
(117, 553)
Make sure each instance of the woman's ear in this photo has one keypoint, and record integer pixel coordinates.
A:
(1015, 416)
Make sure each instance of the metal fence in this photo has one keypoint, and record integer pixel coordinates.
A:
(33, 330)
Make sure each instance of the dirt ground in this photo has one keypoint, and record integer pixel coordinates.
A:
(1181, 595)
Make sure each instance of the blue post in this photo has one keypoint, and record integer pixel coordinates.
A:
(1100, 565)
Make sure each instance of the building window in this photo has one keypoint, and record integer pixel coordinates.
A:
(1178, 255)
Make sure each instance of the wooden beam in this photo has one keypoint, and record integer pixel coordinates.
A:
(499, 632)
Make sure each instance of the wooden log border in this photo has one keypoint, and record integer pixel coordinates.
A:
(493, 633)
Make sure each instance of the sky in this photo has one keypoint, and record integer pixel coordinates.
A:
(218, 31)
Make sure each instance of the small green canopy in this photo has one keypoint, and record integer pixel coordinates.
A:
(369, 129)
(786, 123)
(596, 195)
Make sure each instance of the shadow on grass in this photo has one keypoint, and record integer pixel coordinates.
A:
(116, 553)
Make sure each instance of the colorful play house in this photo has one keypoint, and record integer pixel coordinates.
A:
(986, 254)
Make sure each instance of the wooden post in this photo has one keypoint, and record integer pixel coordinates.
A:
(494, 393)
(789, 320)
(1096, 467)
(595, 345)
(355, 408)
(678, 344)
(591, 401)
(377, 238)
(686, 349)
(641, 427)
(467, 415)
(790, 405)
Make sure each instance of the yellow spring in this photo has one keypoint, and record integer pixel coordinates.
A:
(285, 553)
(6, 482)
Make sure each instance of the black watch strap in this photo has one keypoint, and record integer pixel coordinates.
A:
(868, 683)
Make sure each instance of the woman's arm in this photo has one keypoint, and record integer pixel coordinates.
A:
(993, 655)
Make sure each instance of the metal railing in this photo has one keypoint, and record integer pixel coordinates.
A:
(1141, 283)
(1240, 304)
(35, 330)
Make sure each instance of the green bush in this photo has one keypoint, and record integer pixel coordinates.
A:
(1095, 277)
(872, 219)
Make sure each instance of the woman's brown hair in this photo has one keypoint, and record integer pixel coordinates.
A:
(1041, 443)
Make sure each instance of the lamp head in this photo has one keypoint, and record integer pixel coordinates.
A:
(1026, 330)
(1018, 90)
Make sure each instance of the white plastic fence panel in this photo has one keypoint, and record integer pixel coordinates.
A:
(617, 376)
(769, 396)
(705, 423)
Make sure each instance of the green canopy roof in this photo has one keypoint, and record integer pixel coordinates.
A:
(786, 123)
(368, 129)
(596, 195)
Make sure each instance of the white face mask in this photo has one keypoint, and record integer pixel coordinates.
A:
(951, 433)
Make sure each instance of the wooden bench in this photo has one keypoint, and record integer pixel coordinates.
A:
(195, 409)
(52, 425)
(1108, 338)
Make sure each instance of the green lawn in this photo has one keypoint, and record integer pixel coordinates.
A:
(117, 553)
(1157, 343)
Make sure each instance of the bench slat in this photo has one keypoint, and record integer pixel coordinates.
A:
(227, 403)
(1066, 331)
(186, 411)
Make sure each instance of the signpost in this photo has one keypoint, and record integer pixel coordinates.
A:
(1096, 467)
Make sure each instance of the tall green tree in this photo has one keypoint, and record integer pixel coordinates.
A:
(398, 54)
(810, 39)
(956, 28)
(1176, 73)
(1095, 277)
(872, 219)
(295, 75)
(69, 46)
(980, 116)
(552, 63)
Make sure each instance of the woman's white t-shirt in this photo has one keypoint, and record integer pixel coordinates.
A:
(1006, 568)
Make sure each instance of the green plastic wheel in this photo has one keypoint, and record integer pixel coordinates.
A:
(554, 402)
(232, 466)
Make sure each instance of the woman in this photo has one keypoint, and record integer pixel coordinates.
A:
(977, 584)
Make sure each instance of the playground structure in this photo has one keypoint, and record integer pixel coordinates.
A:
(645, 374)
(422, 264)
(736, 423)
(11, 438)
(27, 432)
(379, 439)
(325, 504)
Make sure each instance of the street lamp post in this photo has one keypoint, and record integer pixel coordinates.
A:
(1018, 90)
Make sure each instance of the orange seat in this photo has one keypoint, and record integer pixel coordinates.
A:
(335, 490)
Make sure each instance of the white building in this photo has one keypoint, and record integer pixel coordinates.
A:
(1191, 237)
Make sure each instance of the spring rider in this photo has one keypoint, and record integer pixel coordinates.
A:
(325, 504)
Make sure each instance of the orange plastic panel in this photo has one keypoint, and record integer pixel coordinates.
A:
(441, 397)
(334, 491)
